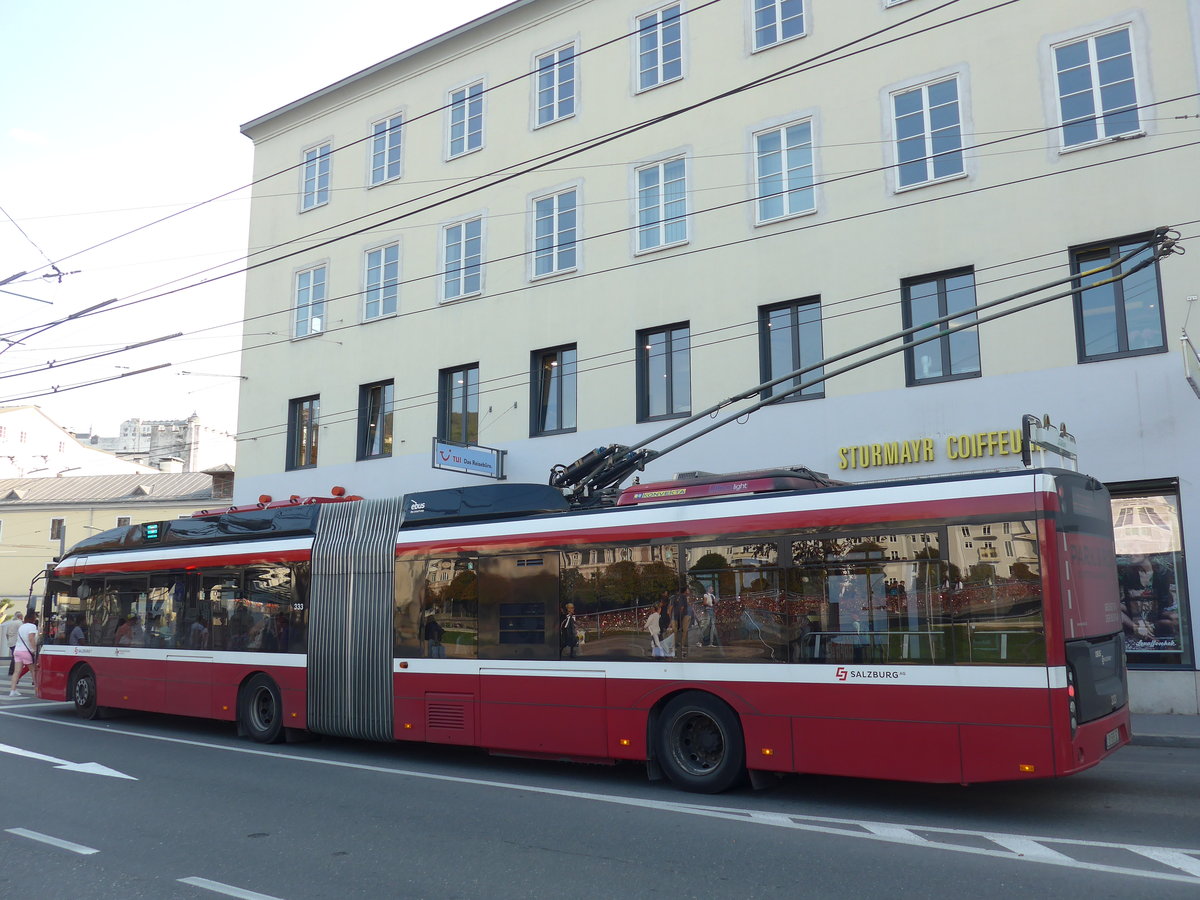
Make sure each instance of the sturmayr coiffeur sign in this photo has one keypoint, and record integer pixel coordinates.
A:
(1006, 442)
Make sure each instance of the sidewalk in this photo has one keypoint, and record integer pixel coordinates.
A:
(1166, 731)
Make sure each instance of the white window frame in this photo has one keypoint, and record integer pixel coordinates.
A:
(965, 126)
(444, 273)
(662, 222)
(1095, 88)
(782, 125)
(385, 156)
(386, 287)
(777, 9)
(298, 307)
(557, 99)
(312, 158)
(465, 103)
(556, 230)
(657, 12)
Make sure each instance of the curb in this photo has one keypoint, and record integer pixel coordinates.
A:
(1165, 740)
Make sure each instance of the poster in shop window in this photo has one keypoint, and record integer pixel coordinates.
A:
(1148, 552)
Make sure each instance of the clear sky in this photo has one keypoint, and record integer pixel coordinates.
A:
(115, 114)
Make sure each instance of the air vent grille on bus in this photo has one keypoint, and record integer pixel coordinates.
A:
(446, 716)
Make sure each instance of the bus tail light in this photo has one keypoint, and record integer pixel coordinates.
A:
(1072, 707)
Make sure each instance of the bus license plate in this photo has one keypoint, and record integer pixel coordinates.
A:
(1112, 739)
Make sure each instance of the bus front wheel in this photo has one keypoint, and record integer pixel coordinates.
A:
(260, 710)
(699, 744)
(83, 693)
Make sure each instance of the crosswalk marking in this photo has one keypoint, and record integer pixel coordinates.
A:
(1173, 858)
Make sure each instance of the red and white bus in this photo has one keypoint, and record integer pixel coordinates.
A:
(957, 629)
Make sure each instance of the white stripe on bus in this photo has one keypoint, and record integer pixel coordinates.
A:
(86, 561)
(1023, 677)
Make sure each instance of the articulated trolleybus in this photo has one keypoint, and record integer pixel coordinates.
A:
(956, 629)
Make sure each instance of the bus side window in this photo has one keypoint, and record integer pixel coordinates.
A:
(995, 593)
(406, 612)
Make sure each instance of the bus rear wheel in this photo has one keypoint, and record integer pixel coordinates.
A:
(260, 710)
(699, 744)
(83, 693)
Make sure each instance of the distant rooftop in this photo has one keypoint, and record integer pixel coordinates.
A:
(183, 487)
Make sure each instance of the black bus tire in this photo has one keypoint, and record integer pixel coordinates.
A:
(260, 710)
(699, 744)
(83, 693)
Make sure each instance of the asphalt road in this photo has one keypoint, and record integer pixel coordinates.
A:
(186, 809)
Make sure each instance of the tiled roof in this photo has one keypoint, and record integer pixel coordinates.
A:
(184, 487)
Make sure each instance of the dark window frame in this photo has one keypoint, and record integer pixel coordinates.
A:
(537, 386)
(446, 408)
(817, 391)
(943, 343)
(302, 451)
(372, 418)
(1121, 322)
(643, 372)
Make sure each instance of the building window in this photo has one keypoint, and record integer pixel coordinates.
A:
(659, 47)
(662, 204)
(310, 301)
(58, 529)
(302, 432)
(123, 521)
(385, 149)
(382, 281)
(375, 420)
(776, 21)
(466, 119)
(555, 74)
(554, 233)
(1124, 318)
(315, 174)
(664, 373)
(462, 256)
(458, 405)
(790, 339)
(948, 357)
(1097, 95)
(928, 134)
(552, 380)
(1152, 575)
(783, 159)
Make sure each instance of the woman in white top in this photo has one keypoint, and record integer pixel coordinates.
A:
(658, 623)
(24, 653)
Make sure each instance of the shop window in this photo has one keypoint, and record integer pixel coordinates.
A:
(1150, 570)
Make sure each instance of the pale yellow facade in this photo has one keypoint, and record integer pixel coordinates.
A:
(1025, 197)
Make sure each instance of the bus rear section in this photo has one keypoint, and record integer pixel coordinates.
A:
(1091, 698)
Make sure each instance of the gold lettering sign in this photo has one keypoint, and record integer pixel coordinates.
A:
(919, 450)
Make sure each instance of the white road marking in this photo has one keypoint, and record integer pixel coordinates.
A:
(895, 832)
(227, 889)
(52, 841)
(1183, 859)
(1027, 847)
(88, 768)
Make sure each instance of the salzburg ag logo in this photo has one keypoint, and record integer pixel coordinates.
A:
(843, 674)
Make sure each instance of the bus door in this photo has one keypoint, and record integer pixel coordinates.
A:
(537, 693)
(856, 624)
(189, 643)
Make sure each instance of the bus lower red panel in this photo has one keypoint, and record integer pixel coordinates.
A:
(543, 714)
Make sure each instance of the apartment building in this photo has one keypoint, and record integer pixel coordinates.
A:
(572, 223)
